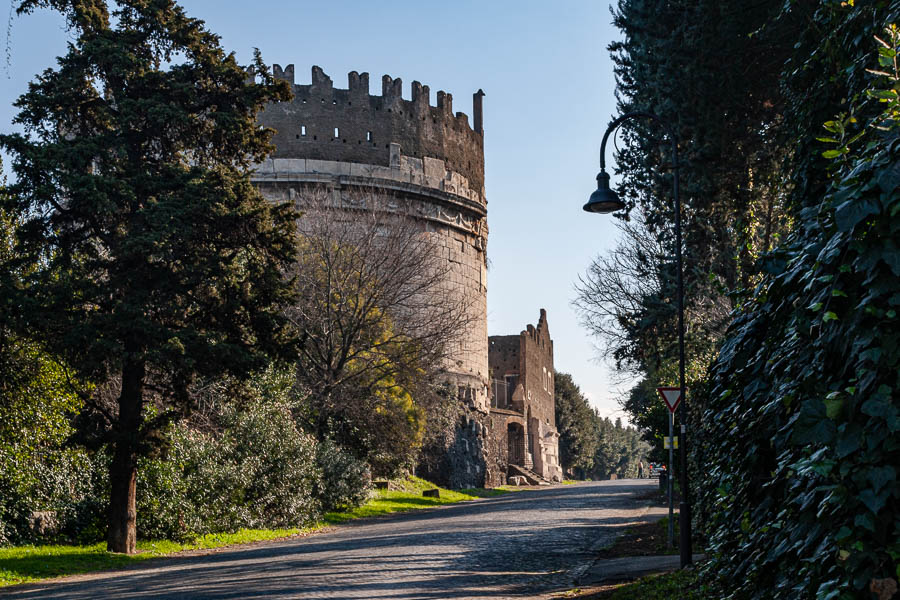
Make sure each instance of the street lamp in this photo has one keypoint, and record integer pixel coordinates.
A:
(604, 200)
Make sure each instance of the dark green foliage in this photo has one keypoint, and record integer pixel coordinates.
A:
(801, 440)
(650, 415)
(619, 450)
(67, 485)
(577, 426)
(147, 257)
(242, 461)
(797, 441)
(38, 473)
(590, 446)
(705, 71)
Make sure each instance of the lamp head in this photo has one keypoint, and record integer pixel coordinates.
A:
(603, 200)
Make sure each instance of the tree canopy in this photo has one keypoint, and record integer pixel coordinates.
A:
(147, 256)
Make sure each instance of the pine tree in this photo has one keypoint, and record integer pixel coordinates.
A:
(153, 259)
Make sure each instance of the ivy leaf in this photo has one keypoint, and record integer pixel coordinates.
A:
(891, 256)
(834, 404)
(848, 441)
(851, 212)
(881, 405)
(874, 502)
(865, 520)
(813, 424)
(881, 476)
(889, 178)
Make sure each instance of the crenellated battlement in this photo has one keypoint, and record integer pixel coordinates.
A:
(328, 123)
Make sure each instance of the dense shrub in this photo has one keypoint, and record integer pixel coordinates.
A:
(345, 480)
(68, 485)
(39, 473)
(258, 471)
(241, 461)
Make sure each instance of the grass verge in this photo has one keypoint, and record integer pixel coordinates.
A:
(24, 564)
(646, 539)
(407, 496)
(679, 584)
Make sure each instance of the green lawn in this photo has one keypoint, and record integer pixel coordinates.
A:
(23, 564)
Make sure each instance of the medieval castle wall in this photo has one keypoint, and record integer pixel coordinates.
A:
(420, 160)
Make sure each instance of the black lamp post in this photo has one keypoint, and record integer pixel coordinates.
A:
(605, 200)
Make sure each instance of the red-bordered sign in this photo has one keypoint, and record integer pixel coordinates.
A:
(671, 396)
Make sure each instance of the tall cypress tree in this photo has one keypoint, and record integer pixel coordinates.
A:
(157, 261)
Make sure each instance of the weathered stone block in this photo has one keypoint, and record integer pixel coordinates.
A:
(289, 165)
(434, 168)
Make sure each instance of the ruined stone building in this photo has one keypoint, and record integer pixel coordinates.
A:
(522, 415)
(420, 160)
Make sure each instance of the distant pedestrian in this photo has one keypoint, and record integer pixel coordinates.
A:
(640, 469)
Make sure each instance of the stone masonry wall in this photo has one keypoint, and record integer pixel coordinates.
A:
(421, 161)
(326, 123)
(457, 456)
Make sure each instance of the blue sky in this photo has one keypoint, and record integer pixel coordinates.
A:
(549, 91)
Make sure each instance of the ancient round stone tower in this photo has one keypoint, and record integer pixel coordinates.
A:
(423, 158)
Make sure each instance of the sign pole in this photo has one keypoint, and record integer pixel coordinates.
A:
(672, 396)
(669, 480)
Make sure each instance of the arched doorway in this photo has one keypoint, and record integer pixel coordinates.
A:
(515, 438)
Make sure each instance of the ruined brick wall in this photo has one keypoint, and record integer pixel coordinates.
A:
(530, 356)
(421, 161)
(537, 371)
(503, 355)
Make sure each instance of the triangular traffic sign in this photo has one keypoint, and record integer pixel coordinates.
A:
(671, 396)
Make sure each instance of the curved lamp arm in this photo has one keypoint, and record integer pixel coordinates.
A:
(633, 115)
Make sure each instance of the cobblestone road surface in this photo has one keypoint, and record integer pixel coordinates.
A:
(518, 545)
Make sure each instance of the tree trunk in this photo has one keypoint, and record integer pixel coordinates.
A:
(122, 533)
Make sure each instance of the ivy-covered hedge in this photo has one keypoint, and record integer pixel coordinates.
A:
(801, 429)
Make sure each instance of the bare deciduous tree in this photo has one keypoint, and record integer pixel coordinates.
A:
(376, 316)
(627, 299)
(611, 296)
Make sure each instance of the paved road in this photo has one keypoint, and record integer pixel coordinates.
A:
(512, 546)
